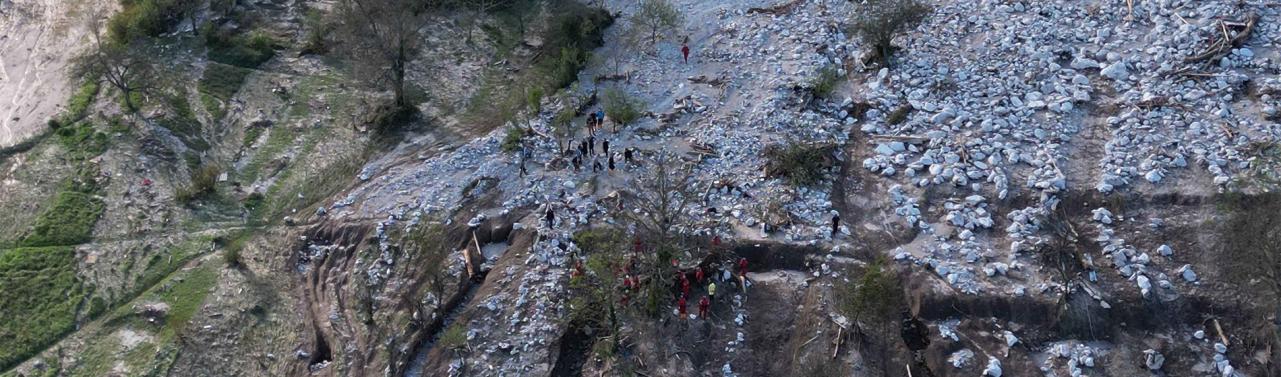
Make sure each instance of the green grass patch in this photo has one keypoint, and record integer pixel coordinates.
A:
(70, 220)
(38, 301)
(81, 140)
(161, 265)
(222, 81)
(182, 122)
(824, 84)
(139, 19)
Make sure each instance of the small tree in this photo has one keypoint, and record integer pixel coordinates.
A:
(562, 128)
(621, 107)
(656, 17)
(381, 37)
(876, 22)
(873, 300)
(599, 286)
(126, 66)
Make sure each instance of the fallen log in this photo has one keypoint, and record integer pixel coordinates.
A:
(777, 9)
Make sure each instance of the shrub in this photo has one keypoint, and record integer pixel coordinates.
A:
(512, 140)
(453, 338)
(203, 183)
(80, 101)
(621, 107)
(825, 83)
(139, 19)
(802, 164)
(242, 50)
(534, 100)
(874, 297)
(876, 22)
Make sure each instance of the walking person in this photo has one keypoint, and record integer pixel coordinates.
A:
(836, 223)
(685, 49)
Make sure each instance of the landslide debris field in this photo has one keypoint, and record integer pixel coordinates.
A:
(818, 188)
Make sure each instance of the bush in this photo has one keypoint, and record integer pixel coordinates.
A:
(145, 18)
(80, 101)
(826, 81)
(801, 164)
(38, 300)
(203, 183)
(621, 107)
(874, 297)
(241, 50)
(453, 338)
(876, 22)
(512, 140)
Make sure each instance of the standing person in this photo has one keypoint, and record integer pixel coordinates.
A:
(551, 216)
(611, 162)
(702, 307)
(604, 146)
(680, 307)
(627, 155)
(685, 49)
(711, 290)
(742, 267)
(698, 275)
(591, 145)
(836, 223)
(684, 285)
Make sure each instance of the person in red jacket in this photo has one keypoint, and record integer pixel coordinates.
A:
(685, 49)
(702, 307)
(698, 275)
(684, 285)
(742, 266)
(680, 307)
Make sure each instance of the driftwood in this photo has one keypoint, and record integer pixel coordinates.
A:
(1219, 329)
(904, 138)
(777, 9)
(613, 77)
(1223, 46)
(703, 79)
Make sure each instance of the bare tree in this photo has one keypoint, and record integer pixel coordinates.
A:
(382, 37)
(662, 197)
(126, 66)
(656, 17)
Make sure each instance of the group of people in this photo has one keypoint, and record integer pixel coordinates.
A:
(585, 152)
(704, 303)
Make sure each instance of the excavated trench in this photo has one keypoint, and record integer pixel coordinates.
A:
(498, 231)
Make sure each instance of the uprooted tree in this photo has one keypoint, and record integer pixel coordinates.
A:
(381, 38)
(876, 22)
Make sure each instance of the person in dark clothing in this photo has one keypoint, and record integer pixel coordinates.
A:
(836, 223)
(604, 146)
(596, 165)
(611, 162)
(551, 216)
(591, 145)
(627, 155)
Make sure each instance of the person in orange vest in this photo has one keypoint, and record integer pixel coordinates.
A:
(680, 307)
(702, 307)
